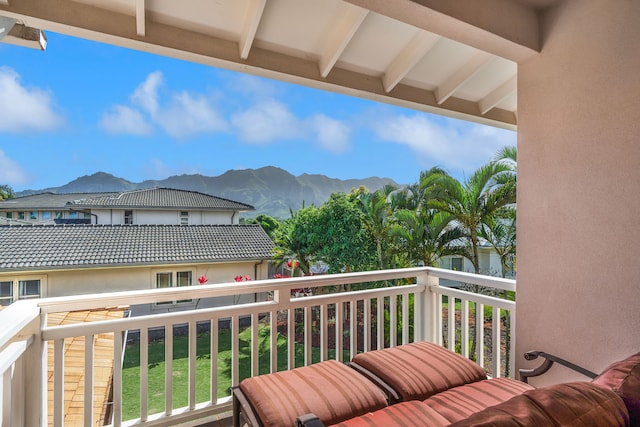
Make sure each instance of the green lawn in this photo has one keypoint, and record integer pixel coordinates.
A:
(131, 369)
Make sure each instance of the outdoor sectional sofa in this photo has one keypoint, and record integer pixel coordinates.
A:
(423, 384)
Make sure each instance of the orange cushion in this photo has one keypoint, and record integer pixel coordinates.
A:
(412, 413)
(567, 405)
(463, 401)
(331, 390)
(624, 378)
(419, 370)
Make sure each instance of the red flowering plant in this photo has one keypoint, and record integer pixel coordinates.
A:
(244, 278)
(202, 280)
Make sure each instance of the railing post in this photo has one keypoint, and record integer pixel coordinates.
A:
(35, 376)
(428, 311)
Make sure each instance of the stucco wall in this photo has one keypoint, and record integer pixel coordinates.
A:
(157, 217)
(578, 198)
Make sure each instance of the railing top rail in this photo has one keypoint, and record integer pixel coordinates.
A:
(474, 279)
(114, 299)
(473, 297)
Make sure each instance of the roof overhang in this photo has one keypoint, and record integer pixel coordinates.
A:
(457, 58)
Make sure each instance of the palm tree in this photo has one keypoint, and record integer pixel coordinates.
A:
(376, 210)
(474, 203)
(501, 235)
(294, 241)
(427, 235)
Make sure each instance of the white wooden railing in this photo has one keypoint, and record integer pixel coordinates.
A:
(391, 307)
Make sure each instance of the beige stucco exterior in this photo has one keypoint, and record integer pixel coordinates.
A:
(578, 173)
(57, 283)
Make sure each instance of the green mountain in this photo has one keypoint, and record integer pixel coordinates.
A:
(270, 190)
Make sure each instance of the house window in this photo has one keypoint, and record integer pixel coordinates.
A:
(13, 290)
(33, 216)
(9, 215)
(20, 215)
(456, 264)
(169, 279)
(184, 218)
(59, 215)
(73, 215)
(6, 293)
(46, 215)
(29, 288)
(128, 217)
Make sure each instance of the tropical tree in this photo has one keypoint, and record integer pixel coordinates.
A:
(268, 223)
(376, 211)
(6, 192)
(425, 235)
(475, 202)
(500, 232)
(342, 240)
(295, 240)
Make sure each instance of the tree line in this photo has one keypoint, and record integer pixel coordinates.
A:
(405, 227)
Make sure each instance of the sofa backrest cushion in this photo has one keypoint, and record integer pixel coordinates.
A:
(624, 378)
(419, 370)
(331, 390)
(579, 404)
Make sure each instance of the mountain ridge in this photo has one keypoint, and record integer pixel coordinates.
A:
(271, 190)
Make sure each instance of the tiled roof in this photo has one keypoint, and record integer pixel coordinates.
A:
(163, 198)
(45, 201)
(42, 247)
(154, 198)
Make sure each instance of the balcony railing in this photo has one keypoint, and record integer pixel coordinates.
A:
(342, 314)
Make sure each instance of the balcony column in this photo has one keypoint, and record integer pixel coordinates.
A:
(426, 321)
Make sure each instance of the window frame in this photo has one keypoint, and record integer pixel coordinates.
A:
(174, 282)
(16, 287)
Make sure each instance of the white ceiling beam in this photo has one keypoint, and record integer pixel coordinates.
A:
(140, 18)
(408, 58)
(251, 22)
(340, 36)
(461, 76)
(510, 29)
(497, 95)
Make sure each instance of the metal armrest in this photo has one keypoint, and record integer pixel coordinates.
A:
(309, 420)
(550, 359)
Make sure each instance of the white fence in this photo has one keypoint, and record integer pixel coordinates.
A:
(344, 314)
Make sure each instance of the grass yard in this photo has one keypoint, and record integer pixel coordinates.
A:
(156, 389)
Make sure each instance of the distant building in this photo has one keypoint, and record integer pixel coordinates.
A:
(148, 206)
(61, 260)
(134, 240)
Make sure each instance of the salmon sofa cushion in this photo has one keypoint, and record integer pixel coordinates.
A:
(331, 390)
(461, 402)
(568, 405)
(418, 370)
(624, 378)
(411, 413)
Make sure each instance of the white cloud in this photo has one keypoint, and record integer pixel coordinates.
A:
(266, 122)
(146, 95)
(122, 119)
(10, 172)
(331, 134)
(188, 115)
(24, 109)
(459, 146)
(185, 115)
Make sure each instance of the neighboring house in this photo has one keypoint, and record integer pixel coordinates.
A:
(62, 260)
(489, 263)
(146, 206)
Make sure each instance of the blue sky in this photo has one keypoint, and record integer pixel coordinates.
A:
(82, 107)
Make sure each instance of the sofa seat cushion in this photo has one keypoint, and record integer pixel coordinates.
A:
(411, 413)
(567, 405)
(463, 401)
(624, 378)
(330, 389)
(418, 370)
